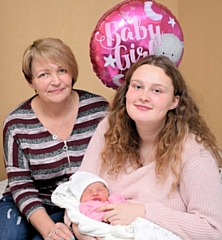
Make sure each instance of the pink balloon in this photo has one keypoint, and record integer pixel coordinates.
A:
(131, 30)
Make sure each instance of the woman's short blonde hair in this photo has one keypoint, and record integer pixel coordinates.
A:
(52, 49)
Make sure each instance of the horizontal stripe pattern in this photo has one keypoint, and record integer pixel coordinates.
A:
(35, 163)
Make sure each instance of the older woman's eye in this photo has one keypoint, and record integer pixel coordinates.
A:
(42, 75)
(62, 70)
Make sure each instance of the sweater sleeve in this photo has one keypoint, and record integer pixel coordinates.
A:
(201, 192)
(20, 181)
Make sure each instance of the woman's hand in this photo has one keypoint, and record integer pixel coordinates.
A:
(60, 231)
(81, 236)
(48, 229)
(122, 214)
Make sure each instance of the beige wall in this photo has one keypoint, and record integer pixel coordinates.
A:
(202, 62)
(73, 21)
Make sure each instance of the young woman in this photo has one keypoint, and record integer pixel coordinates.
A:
(157, 151)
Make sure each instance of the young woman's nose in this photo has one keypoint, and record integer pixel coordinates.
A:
(144, 96)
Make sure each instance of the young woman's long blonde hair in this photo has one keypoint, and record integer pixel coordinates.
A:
(122, 141)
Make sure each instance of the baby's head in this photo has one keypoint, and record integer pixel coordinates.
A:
(86, 186)
(96, 191)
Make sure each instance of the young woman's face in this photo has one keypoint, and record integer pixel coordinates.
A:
(95, 192)
(150, 95)
(52, 81)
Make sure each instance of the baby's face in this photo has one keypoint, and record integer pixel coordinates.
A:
(95, 192)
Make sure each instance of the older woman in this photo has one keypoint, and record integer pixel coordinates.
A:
(45, 139)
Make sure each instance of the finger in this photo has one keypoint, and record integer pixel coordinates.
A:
(115, 222)
(47, 238)
(65, 235)
(62, 232)
(67, 230)
(60, 225)
(107, 218)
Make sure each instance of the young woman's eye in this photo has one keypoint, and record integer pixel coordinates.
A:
(137, 86)
(156, 90)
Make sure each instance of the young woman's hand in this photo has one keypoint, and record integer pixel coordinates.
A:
(122, 214)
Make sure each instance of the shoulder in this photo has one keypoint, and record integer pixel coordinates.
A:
(85, 95)
(91, 104)
(22, 112)
(103, 125)
(23, 106)
(195, 153)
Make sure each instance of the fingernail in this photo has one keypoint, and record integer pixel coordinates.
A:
(72, 238)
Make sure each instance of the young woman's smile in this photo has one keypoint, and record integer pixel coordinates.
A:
(150, 95)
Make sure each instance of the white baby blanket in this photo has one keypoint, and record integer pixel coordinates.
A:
(140, 229)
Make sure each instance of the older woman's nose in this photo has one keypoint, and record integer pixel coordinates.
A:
(55, 79)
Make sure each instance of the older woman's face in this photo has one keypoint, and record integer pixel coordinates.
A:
(51, 80)
(150, 95)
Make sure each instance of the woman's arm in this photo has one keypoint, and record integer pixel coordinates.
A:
(22, 186)
(21, 183)
(200, 190)
(47, 228)
(42, 222)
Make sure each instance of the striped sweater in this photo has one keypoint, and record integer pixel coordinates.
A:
(35, 163)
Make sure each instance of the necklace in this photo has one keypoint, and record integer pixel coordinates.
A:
(54, 135)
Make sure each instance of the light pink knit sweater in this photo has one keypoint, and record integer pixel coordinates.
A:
(193, 211)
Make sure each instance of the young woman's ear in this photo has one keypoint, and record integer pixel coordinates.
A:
(175, 102)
